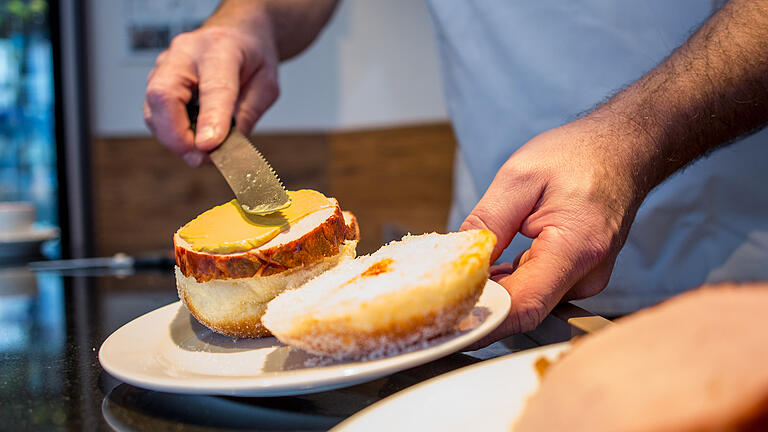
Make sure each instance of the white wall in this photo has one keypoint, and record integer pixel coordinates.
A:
(374, 65)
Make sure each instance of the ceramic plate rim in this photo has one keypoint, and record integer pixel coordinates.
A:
(295, 382)
(350, 424)
(33, 235)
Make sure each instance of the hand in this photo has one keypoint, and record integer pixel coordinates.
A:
(569, 189)
(234, 70)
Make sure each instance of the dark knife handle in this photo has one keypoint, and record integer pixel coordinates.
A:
(193, 110)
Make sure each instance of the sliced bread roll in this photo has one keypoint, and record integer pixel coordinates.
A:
(408, 291)
(313, 238)
(228, 292)
(234, 307)
(698, 362)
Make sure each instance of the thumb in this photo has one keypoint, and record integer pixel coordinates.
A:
(503, 208)
(556, 261)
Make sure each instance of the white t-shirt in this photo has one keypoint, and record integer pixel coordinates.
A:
(513, 69)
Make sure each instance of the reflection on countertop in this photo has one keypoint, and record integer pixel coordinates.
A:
(51, 328)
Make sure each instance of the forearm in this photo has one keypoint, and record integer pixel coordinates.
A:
(294, 24)
(711, 90)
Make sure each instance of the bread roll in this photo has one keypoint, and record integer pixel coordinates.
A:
(314, 237)
(228, 292)
(698, 362)
(234, 307)
(407, 291)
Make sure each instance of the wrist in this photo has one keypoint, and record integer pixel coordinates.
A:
(249, 21)
(619, 155)
(634, 142)
(243, 15)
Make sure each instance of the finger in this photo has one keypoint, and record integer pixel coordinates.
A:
(592, 283)
(168, 91)
(496, 273)
(256, 96)
(161, 57)
(219, 72)
(500, 273)
(508, 201)
(502, 269)
(554, 263)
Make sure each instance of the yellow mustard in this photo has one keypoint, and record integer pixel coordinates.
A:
(227, 228)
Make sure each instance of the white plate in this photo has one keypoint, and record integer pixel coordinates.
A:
(25, 243)
(487, 396)
(167, 350)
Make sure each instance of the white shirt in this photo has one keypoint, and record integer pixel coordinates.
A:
(513, 69)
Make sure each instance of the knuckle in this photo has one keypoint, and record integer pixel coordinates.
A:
(148, 118)
(161, 57)
(216, 34)
(249, 114)
(595, 249)
(148, 123)
(218, 85)
(272, 90)
(528, 316)
(158, 96)
(218, 38)
(181, 40)
(516, 171)
(587, 288)
(475, 220)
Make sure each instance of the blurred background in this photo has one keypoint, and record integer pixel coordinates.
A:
(361, 118)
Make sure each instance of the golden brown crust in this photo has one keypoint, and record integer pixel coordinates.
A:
(321, 242)
(249, 327)
(353, 229)
(399, 334)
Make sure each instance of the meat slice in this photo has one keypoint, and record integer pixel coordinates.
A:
(311, 239)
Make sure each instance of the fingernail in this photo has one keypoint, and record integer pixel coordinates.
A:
(193, 158)
(206, 134)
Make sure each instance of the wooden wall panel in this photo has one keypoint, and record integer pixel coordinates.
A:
(396, 180)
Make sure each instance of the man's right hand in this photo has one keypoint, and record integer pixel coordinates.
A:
(234, 70)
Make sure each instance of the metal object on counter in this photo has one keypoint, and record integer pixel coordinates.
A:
(117, 261)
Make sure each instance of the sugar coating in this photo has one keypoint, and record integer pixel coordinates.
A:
(407, 292)
(341, 288)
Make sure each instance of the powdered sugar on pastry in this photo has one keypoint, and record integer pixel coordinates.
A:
(408, 291)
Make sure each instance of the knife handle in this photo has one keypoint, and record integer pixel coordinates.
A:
(193, 110)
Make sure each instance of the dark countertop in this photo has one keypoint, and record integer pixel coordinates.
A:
(51, 328)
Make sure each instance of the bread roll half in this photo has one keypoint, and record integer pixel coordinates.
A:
(408, 291)
(228, 292)
(234, 307)
(697, 362)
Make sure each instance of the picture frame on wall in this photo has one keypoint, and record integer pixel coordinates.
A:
(150, 25)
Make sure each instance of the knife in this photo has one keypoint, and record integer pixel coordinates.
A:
(117, 261)
(256, 186)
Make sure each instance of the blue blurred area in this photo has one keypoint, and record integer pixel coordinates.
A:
(27, 139)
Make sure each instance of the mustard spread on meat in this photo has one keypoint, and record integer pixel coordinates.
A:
(227, 228)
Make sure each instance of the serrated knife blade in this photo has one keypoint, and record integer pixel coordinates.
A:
(254, 182)
(252, 179)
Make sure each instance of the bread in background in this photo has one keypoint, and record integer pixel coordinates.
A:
(697, 362)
